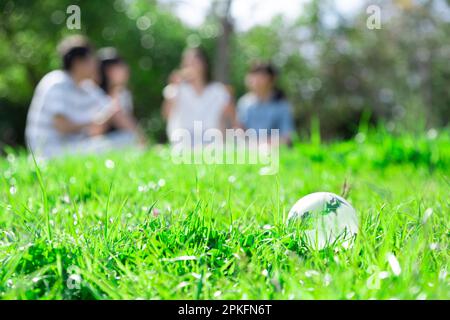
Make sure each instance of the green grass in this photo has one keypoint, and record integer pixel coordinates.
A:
(80, 222)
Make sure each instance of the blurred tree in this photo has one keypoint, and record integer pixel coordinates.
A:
(30, 31)
(334, 68)
(222, 10)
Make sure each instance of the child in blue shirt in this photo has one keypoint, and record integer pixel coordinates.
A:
(265, 106)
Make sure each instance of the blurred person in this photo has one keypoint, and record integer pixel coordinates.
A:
(64, 117)
(265, 105)
(113, 78)
(191, 96)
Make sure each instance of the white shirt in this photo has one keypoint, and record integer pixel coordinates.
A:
(57, 94)
(126, 101)
(190, 106)
(125, 97)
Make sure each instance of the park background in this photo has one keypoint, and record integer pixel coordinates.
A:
(371, 108)
(338, 73)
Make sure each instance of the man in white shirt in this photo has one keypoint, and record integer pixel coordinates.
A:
(65, 117)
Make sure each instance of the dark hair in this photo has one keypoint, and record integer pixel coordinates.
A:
(74, 48)
(270, 70)
(201, 54)
(107, 58)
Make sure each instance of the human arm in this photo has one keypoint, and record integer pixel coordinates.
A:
(65, 126)
(286, 124)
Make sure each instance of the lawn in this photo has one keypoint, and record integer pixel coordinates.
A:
(135, 226)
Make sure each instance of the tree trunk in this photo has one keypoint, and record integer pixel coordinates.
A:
(222, 58)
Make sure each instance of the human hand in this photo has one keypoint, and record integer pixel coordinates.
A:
(96, 128)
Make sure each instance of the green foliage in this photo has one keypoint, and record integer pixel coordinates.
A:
(336, 73)
(172, 238)
(30, 32)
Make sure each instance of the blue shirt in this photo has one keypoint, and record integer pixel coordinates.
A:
(272, 114)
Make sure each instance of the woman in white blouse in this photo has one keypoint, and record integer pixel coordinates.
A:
(192, 98)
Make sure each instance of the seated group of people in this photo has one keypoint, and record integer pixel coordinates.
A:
(87, 108)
